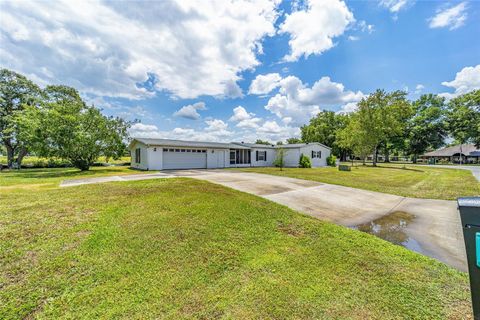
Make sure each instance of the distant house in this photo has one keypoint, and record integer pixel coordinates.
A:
(160, 154)
(465, 153)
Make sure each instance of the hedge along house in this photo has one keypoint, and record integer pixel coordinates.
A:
(164, 154)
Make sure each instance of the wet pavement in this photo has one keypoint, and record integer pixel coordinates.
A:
(430, 227)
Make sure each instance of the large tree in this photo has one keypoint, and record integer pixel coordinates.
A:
(65, 127)
(463, 118)
(16, 92)
(426, 129)
(379, 120)
(324, 128)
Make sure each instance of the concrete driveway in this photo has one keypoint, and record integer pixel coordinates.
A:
(434, 229)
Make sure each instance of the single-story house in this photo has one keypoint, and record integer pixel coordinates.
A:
(162, 154)
(466, 153)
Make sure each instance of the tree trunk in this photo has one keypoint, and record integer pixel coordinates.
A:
(414, 160)
(387, 155)
(10, 152)
(375, 157)
(461, 153)
(21, 154)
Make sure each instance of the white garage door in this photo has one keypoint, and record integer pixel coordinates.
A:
(181, 158)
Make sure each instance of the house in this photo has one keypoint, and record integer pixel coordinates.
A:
(465, 153)
(162, 154)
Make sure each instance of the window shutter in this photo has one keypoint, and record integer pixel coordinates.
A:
(320, 154)
(265, 155)
(313, 154)
(256, 155)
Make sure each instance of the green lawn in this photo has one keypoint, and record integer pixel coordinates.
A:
(414, 181)
(51, 178)
(184, 248)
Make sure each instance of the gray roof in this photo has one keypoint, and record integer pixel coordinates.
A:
(467, 150)
(220, 145)
(182, 143)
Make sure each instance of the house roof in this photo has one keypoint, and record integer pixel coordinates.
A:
(220, 145)
(466, 149)
(182, 143)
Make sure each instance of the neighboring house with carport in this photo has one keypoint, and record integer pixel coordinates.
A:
(163, 154)
(465, 153)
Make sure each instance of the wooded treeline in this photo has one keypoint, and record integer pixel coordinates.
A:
(389, 123)
(55, 122)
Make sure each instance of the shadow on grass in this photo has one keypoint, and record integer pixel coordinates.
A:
(62, 172)
(388, 167)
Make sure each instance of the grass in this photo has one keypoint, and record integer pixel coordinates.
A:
(414, 181)
(51, 178)
(184, 248)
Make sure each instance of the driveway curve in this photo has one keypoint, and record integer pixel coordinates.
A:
(435, 227)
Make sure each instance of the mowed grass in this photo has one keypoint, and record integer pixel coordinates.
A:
(409, 181)
(51, 178)
(184, 249)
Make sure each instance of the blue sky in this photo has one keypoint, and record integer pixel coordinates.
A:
(241, 70)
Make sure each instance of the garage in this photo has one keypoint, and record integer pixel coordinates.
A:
(184, 158)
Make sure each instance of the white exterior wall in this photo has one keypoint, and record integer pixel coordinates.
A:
(217, 158)
(316, 162)
(155, 158)
(292, 157)
(271, 155)
(143, 165)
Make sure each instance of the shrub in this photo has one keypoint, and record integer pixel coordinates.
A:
(304, 161)
(332, 160)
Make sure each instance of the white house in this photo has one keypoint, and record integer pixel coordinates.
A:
(163, 154)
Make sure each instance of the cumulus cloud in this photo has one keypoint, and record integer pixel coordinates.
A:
(313, 28)
(264, 83)
(466, 80)
(133, 50)
(298, 103)
(244, 119)
(452, 17)
(216, 130)
(190, 111)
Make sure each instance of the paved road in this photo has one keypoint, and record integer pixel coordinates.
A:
(474, 169)
(435, 230)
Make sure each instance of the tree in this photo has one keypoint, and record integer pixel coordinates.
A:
(426, 129)
(259, 141)
(16, 92)
(304, 161)
(280, 159)
(463, 118)
(380, 118)
(294, 140)
(65, 127)
(279, 143)
(324, 128)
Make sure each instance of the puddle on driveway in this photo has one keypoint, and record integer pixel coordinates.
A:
(393, 228)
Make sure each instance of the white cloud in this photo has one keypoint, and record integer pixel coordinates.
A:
(453, 17)
(112, 48)
(313, 28)
(190, 111)
(244, 119)
(264, 84)
(348, 108)
(365, 27)
(299, 103)
(270, 127)
(419, 88)
(394, 6)
(353, 38)
(466, 80)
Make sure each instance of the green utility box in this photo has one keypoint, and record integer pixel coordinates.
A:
(470, 216)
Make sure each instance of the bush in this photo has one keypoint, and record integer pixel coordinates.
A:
(304, 161)
(331, 160)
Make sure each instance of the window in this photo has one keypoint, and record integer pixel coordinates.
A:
(316, 154)
(165, 150)
(171, 150)
(154, 149)
(261, 155)
(239, 156)
(137, 155)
